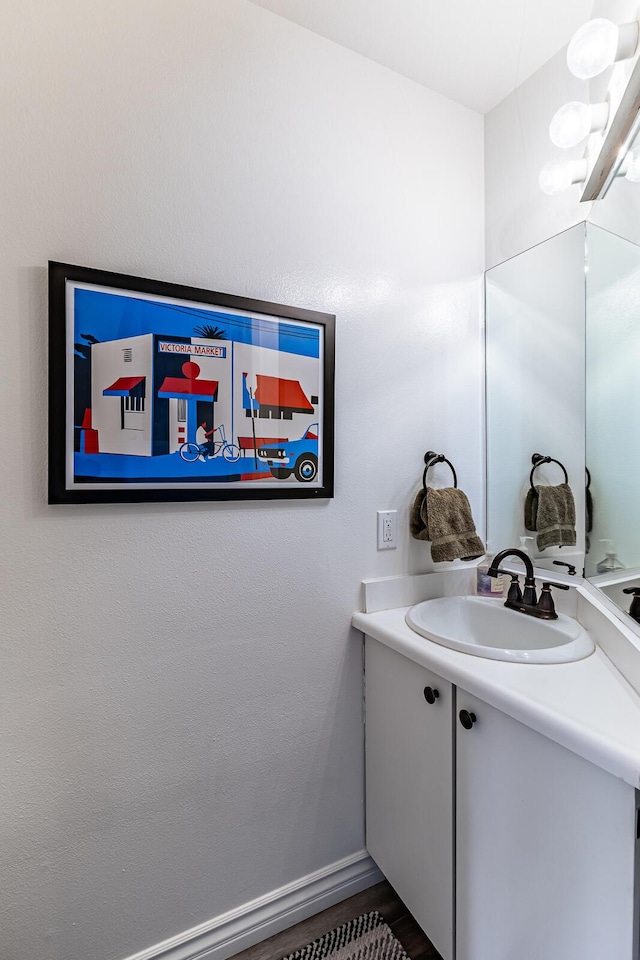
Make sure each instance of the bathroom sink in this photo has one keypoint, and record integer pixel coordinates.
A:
(484, 627)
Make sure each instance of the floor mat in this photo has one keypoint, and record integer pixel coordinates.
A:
(366, 938)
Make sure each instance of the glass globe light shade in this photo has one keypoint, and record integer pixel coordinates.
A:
(593, 48)
(559, 175)
(570, 124)
(574, 121)
(555, 177)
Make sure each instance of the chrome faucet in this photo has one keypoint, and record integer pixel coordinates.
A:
(527, 602)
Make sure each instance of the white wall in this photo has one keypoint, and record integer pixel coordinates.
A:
(517, 146)
(181, 691)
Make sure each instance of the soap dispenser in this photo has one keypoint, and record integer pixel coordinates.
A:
(487, 586)
(634, 609)
(611, 561)
(524, 545)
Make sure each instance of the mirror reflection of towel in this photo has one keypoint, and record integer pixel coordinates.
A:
(588, 518)
(551, 512)
(444, 517)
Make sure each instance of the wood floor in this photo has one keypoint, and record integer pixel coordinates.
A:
(382, 898)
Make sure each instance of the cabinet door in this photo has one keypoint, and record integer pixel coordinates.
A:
(545, 847)
(409, 769)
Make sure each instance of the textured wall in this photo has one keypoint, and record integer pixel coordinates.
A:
(517, 146)
(180, 688)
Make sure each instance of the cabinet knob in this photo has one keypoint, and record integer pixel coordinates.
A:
(467, 719)
(431, 694)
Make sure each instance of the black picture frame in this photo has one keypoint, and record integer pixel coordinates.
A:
(161, 392)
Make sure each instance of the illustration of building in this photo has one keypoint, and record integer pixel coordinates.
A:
(149, 393)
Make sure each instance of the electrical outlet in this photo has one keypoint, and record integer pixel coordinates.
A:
(387, 528)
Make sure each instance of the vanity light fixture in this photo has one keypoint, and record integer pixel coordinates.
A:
(558, 175)
(574, 121)
(599, 44)
(609, 128)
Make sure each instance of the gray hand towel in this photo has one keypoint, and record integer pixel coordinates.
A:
(417, 525)
(555, 519)
(531, 509)
(444, 517)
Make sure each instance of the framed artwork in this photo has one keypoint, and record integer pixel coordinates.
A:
(162, 392)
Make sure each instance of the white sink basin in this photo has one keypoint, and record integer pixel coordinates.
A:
(486, 628)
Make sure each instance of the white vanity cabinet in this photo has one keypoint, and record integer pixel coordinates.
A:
(409, 787)
(545, 847)
(503, 844)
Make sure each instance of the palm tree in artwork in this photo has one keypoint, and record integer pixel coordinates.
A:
(210, 332)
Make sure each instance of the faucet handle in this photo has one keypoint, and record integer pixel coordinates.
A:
(530, 597)
(546, 607)
(515, 593)
(634, 609)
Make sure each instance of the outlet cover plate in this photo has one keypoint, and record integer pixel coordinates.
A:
(387, 529)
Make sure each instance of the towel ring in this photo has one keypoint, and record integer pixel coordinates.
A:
(431, 458)
(537, 460)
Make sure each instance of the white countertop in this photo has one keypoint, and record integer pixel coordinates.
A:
(586, 706)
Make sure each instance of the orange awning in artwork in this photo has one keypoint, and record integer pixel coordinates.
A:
(285, 394)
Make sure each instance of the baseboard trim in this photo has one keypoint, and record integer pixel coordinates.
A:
(229, 933)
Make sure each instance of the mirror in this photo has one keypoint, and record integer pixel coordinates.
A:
(535, 369)
(612, 396)
(562, 348)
